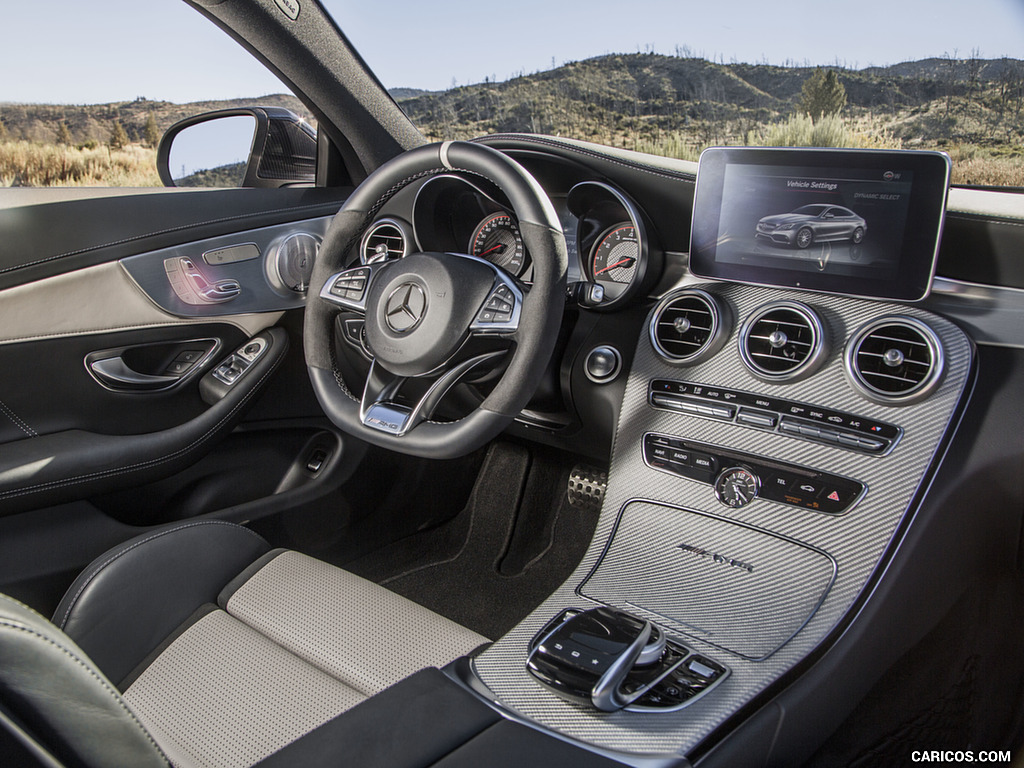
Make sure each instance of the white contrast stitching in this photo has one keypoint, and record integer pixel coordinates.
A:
(17, 421)
(106, 686)
(14, 493)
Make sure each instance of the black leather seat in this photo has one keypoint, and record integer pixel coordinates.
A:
(199, 645)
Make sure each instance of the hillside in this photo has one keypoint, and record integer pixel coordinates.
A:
(672, 105)
(648, 96)
(92, 123)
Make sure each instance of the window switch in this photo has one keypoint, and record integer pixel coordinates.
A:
(316, 460)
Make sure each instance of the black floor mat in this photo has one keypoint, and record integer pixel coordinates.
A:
(517, 539)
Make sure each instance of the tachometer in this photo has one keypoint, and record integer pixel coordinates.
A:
(497, 239)
(615, 255)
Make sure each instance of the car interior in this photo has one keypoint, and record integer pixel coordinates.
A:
(517, 450)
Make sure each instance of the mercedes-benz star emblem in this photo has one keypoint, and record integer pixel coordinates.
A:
(405, 307)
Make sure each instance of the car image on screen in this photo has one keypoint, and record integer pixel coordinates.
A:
(815, 223)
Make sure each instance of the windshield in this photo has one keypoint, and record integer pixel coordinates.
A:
(673, 78)
(658, 76)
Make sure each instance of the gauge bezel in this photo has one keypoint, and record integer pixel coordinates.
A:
(583, 200)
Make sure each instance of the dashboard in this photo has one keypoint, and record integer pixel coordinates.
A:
(761, 449)
(765, 442)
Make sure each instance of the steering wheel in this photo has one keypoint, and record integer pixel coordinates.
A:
(427, 316)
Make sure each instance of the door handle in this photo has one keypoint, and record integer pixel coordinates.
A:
(150, 367)
(115, 373)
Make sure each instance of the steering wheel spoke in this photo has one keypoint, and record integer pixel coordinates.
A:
(378, 410)
(350, 287)
(500, 312)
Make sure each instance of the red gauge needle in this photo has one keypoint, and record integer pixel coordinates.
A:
(493, 248)
(628, 261)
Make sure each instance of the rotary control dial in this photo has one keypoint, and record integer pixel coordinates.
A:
(737, 486)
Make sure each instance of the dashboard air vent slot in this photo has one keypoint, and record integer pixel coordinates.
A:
(782, 340)
(384, 240)
(688, 326)
(895, 360)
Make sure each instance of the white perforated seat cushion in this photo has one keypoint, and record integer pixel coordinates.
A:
(301, 642)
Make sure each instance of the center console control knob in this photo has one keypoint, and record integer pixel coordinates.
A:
(612, 660)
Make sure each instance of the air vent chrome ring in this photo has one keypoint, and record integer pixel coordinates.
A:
(895, 360)
(384, 239)
(783, 341)
(688, 326)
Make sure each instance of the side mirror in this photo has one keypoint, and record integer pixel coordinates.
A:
(245, 147)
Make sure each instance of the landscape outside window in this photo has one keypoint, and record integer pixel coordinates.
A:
(946, 84)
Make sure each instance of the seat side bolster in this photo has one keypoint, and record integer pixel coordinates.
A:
(131, 598)
(62, 700)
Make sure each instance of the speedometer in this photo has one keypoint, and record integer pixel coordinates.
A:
(497, 239)
(614, 260)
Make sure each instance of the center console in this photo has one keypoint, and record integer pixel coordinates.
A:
(771, 447)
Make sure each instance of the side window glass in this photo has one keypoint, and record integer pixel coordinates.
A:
(92, 110)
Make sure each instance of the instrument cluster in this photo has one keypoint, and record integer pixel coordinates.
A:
(605, 234)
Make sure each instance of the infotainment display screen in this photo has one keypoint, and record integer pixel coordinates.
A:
(858, 222)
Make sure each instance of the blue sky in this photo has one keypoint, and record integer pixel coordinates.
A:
(69, 51)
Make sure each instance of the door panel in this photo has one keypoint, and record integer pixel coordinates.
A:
(43, 239)
(69, 436)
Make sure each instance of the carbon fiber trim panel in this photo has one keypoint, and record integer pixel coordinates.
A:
(737, 588)
(856, 540)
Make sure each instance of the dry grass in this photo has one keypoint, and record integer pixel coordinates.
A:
(31, 164)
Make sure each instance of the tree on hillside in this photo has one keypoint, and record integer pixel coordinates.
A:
(64, 133)
(118, 136)
(822, 94)
(3, 130)
(150, 133)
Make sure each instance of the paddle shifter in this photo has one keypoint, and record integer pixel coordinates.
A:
(612, 660)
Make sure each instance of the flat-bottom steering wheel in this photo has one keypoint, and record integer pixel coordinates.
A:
(421, 312)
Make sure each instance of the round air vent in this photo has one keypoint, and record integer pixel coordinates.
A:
(895, 360)
(688, 326)
(783, 340)
(386, 239)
